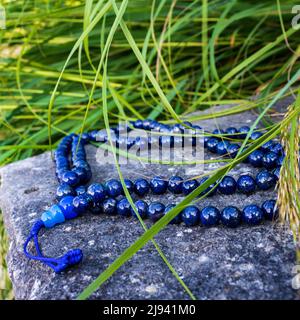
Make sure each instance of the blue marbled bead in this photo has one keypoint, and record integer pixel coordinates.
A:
(124, 207)
(146, 124)
(222, 147)
(246, 184)
(189, 185)
(109, 206)
(233, 150)
(227, 185)
(269, 209)
(83, 174)
(212, 144)
(113, 188)
(256, 158)
(176, 128)
(142, 209)
(82, 203)
(209, 191)
(252, 214)
(276, 148)
(265, 180)
(164, 128)
(156, 211)
(175, 184)
(141, 186)
(270, 160)
(256, 135)
(80, 190)
(70, 178)
(231, 216)
(68, 209)
(243, 131)
(64, 190)
(97, 192)
(190, 216)
(158, 185)
(175, 220)
(209, 216)
(231, 132)
(129, 185)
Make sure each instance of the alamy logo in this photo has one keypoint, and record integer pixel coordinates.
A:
(296, 19)
(2, 17)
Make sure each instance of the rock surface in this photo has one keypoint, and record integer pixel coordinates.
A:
(215, 263)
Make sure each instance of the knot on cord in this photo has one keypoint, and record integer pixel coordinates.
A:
(71, 258)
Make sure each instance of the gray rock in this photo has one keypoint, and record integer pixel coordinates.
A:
(215, 263)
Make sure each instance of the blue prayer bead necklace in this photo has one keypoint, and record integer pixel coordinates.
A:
(74, 198)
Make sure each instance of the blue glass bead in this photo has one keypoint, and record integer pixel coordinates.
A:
(97, 192)
(175, 184)
(142, 209)
(243, 131)
(85, 137)
(270, 160)
(222, 147)
(153, 141)
(266, 146)
(80, 190)
(190, 216)
(269, 209)
(276, 148)
(246, 184)
(212, 144)
(205, 140)
(152, 124)
(82, 203)
(138, 124)
(129, 185)
(276, 172)
(146, 124)
(256, 135)
(109, 206)
(64, 190)
(256, 158)
(83, 174)
(124, 207)
(209, 191)
(53, 216)
(141, 186)
(70, 178)
(252, 214)
(231, 216)
(96, 208)
(178, 141)
(166, 141)
(113, 188)
(177, 129)
(188, 123)
(265, 180)
(165, 128)
(227, 185)
(158, 185)
(141, 143)
(130, 142)
(68, 209)
(280, 160)
(233, 150)
(175, 220)
(209, 216)
(231, 132)
(219, 131)
(155, 211)
(189, 185)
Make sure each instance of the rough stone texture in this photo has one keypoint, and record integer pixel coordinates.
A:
(215, 263)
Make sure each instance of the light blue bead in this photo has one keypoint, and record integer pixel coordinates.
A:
(53, 216)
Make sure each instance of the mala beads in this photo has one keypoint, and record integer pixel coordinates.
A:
(74, 198)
